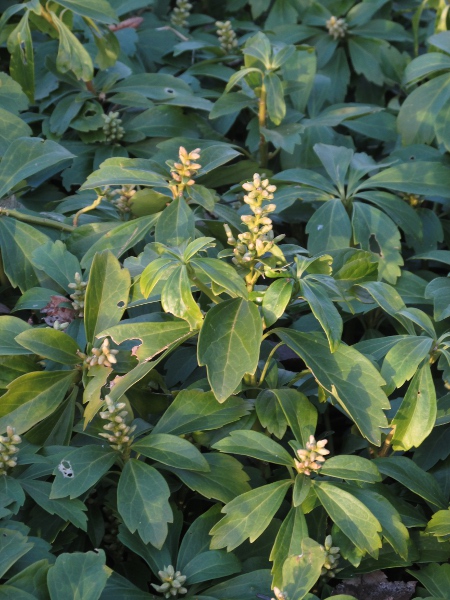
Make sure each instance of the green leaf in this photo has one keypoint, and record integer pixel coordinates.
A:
(158, 269)
(324, 311)
(11, 128)
(275, 300)
(119, 239)
(419, 113)
(288, 542)
(194, 410)
(353, 468)
(155, 334)
(99, 10)
(26, 157)
(301, 572)
(231, 103)
(106, 294)
(72, 511)
(124, 171)
(20, 46)
(248, 515)
(221, 274)
(276, 106)
(348, 375)
(212, 564)
(176, 224)
(197, 539)
(258, 46)
(72, 55)
(13, 545)
(177, 299)
(392, 527)
(80, 469)
(436, 578)
(256, 445)
(329, 228)
(215, 156)
(402, 360)
(12, 98)
(57, 262)
(375, 231)
(143, 502)
(415, 479)
(229, 343)
(415, 418)
(171, 450)
(18, 241)
(439, 525)
(244, 587)
(223, 482)
(351, 516)
(10, 328)
(300, 414)
(50, 343)
(33, 397)
(439, 291)
(418, 177)
(12, 366)
(78, 575)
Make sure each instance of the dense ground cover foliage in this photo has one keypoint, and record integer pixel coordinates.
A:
(225, 328)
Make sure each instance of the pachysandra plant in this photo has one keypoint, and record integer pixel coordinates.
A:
(224, 312)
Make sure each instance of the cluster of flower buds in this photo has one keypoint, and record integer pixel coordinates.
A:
(183, 171)
(337, 28)
(172, 582)
(118, 433)
(311, 458)
(8, 450)
(60, 326)
(112, 128)
(329, 568)
(79, 287)
(100, 356)
(227, 37)
(259, 238)
(279, 595)
(55, 311)
(121, 198)
(180, 14)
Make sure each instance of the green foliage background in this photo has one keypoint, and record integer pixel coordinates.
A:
(224, 240)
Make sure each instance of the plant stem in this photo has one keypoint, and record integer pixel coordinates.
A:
(387, 443)
(262, 117)
(86, 209)
(35, 220)
(203, 288)
(266, 366)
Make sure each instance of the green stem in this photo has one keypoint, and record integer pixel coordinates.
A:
(203, 288)
(266, 366)
(35, 220)
(86, 209)
(262, 117)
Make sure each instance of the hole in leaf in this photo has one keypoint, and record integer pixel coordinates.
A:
(169, 91)
(374, 245)
(120, 304)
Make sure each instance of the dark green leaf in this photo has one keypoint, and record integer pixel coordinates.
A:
(106, 294)
(248, 515)
(81, 575)
(50, 343)
(143, 502)
(348, 375)
(171, 450)
(229, 344)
